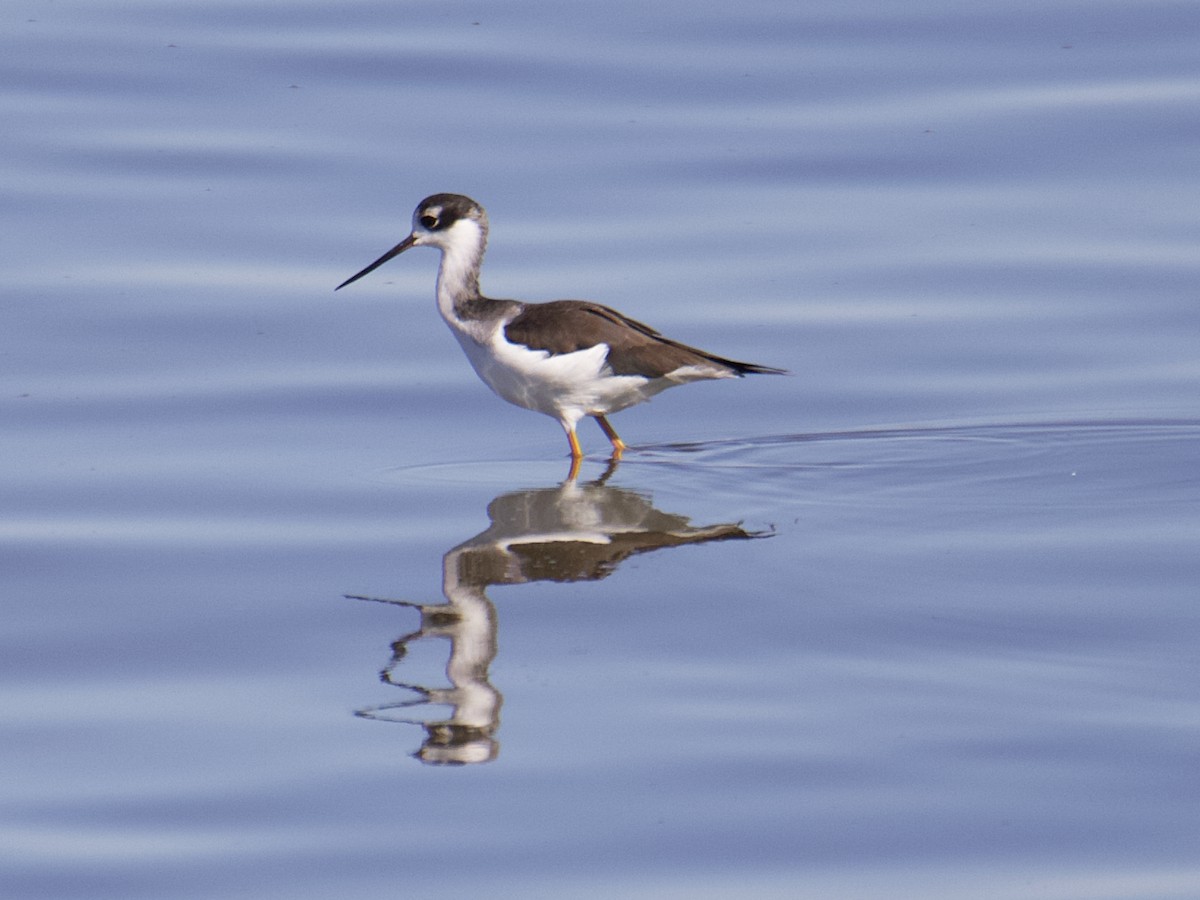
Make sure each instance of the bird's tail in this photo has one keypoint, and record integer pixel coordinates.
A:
(744, 368)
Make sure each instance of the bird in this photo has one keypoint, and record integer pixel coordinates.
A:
(567, 359)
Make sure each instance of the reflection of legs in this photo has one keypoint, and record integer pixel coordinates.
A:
(618, 445)
(573, 472)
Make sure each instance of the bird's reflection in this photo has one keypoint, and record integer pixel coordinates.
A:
(572, 532)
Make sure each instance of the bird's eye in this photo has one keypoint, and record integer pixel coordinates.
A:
(429, 221)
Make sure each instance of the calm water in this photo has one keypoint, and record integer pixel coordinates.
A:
(294, 607)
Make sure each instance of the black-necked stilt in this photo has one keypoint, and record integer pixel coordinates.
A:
(566, 358)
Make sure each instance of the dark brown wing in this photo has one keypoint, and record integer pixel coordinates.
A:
(564, 326)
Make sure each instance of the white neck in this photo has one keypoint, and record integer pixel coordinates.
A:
(462, 247)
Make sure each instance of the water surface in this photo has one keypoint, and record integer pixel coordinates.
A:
(918, 621)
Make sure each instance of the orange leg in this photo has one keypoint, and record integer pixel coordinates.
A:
(576, 455)
(573, 440)
(618, 445)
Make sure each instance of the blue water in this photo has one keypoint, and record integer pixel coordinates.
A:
(919, 620)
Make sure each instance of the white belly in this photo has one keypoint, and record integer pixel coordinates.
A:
(567, 387)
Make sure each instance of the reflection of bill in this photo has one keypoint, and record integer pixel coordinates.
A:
(572, 532)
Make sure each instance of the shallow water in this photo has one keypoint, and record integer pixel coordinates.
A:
(918, 620)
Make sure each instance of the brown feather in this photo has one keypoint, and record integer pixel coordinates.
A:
(564, 326)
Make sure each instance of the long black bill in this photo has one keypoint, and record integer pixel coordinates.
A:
(395, 251)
